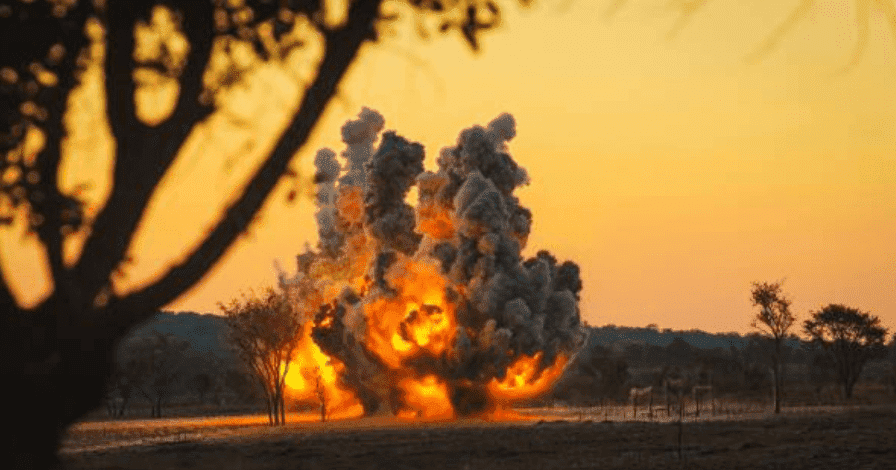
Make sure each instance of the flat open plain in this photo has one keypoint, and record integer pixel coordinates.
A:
(858, 437)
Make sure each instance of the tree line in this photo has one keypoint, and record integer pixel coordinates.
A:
(245, 369)
(186, 360)
(838, 343)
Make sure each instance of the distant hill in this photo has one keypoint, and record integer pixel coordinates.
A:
(611, 334)
(620, 335)
(206, 333)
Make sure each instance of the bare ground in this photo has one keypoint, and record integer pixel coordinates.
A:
(805, 438)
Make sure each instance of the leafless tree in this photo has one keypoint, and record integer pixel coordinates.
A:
(154, 367)
(864, 11)
(313, 375)
(66, 341)
(266, 330)
(119, 392)
(774, 321)
(851, 336)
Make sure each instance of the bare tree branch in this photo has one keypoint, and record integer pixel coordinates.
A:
(7, 301)
(143, 153)
(863, 13)
(613, 9)
(340, 49)
(775, 37)
(51, 62)
(121, 17)
(687, 10)
(58, 209)
(198, 27)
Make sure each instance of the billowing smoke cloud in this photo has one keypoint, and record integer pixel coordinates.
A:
(325, 177)
(432, 308)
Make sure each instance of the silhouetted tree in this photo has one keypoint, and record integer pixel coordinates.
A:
(597, 374)
(720, 368)
(66, 341)
(120, 390)
(774, 321)
(266, 330)
(680, 352)
(155, 367)
(851, 336)
(241, 384)
(821, 368)
(202, 383)
(313, 375)
(891, 356)
(612, 374)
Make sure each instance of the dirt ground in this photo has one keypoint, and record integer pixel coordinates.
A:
(859, 437)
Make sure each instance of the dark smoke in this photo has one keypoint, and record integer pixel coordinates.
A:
(468, 229)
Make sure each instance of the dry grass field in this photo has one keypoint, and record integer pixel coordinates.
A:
(855, 437)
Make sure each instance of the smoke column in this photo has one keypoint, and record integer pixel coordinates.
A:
(432, 310)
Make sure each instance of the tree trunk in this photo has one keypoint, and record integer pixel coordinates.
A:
(282, 410)
(776, 364)
(778, 389)
(60, 372)
(267, 400)
(276, 411)
(278, 397)
(848, 386)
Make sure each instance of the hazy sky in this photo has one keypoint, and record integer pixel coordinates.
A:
(673, 170)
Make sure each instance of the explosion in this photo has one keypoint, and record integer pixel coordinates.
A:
(428, 311)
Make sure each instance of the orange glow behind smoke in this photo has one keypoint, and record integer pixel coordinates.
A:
(523, 380)
(435, 221)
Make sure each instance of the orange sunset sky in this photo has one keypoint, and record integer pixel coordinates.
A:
(674, 169)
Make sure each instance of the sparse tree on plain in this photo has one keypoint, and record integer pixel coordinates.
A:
(774, 321)
(119, 392)
(313, 375)
(155, 368)
(266, 330)
(851, 336)
(202, 383)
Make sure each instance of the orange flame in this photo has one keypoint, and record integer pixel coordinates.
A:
(525, 379)
(311, 364)
(426, 398)
(435, 221)
(416, 321)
